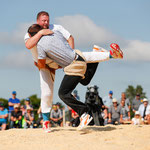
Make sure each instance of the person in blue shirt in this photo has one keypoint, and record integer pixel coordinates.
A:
(3, 116)
(11, 102)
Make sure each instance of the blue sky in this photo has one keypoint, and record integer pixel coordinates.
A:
(90, 22)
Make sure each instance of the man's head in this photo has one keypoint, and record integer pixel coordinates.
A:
(114, 101)
(14, 93)
(137, 96)
(16, 107)
(122, 102)
(145, 102)
(110, 94)
(34, 29)
(27, 101)
(123, 96)
(55, 107)
(43, 19)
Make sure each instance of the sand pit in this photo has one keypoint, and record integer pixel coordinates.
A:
(123, 137)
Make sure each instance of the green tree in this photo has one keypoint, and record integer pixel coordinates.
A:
(5, 101)
(131, 92)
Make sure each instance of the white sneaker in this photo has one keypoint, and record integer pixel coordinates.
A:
(46, 127)
(85, 119)
(98, 49)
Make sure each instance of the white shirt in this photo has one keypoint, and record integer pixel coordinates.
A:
(141, 110)
(52, 27)
(137, 121)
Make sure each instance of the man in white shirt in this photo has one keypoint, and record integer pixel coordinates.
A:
(144, 108)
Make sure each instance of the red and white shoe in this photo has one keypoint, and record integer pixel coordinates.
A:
(85, 119)
(115, 51)
(98, 49)
(46, 126)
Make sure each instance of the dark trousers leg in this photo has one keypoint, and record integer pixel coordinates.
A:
(68, 84)
(90, 71)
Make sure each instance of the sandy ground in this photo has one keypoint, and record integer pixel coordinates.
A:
(123, 137)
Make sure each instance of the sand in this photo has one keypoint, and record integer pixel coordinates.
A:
(122, 137)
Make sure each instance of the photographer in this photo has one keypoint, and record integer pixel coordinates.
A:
(95, 103)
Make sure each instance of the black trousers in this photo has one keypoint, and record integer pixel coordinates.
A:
(69, 83)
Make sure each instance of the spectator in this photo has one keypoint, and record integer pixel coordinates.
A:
(137, 120)
(136, 103)
(127, 101)
(40, 118)
(148, 115)
(107, 100)
(3, 116)
(75, 121)
(105, 116)
(56, 116)
(28, 103)
(114, 112)
(143, 108)
(125, 112)
(11, 102)
(16, 117)
(29, 118)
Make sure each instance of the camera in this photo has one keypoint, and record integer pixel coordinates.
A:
(91, 94)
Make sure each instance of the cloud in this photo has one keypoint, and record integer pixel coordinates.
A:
(87, 33)
(18, 59)
(15, 37)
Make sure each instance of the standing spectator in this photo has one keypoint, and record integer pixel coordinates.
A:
(27, 103)
(143, 108)
(56, 116)
(125, 112)
(29, 118)
(136, 103)
(75, 121)
(137, 120)
(127, 101)
(107, 100)
(16, 117)
(3, 116)
(11, 102)
(114, 112)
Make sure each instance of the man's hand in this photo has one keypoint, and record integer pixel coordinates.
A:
(45, 32)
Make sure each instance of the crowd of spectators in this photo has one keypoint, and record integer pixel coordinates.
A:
(115, 111)
(23, 116)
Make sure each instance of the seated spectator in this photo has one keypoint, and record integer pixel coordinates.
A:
(56, 116)
(127, 101)
(28, 103)
(3, 116)
(125, 112)
(137, 120)
(143, 108)
(29, 118)
(75, 121)
(16, 117)
(40, 118)
(114, 112)
(105, 115)
(11, 102)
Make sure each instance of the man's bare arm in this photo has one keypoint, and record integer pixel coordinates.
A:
(31, 42)
(71, 41)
